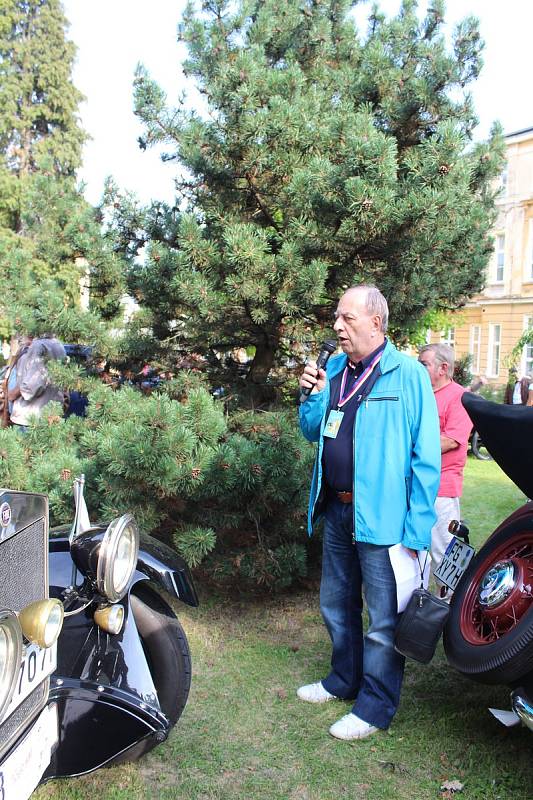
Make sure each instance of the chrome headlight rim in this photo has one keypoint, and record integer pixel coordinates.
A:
(9, 669)
(107, 556)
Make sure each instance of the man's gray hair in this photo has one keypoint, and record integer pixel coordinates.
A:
(444, 354)
(375, 303)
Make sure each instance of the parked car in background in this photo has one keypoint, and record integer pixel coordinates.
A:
(94, 665)
(489, 632)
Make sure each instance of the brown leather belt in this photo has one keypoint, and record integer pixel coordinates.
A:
(344, 497)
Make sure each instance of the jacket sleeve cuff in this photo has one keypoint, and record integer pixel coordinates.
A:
(416, 544)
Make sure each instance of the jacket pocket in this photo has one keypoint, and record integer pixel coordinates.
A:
(407, 494)
(380, 399)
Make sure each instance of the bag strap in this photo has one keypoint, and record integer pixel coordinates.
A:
(422, 569)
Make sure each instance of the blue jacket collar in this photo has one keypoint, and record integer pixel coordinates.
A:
(389, 361)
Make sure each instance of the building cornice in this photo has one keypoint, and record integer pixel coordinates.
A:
(518, 136)
(500, 301)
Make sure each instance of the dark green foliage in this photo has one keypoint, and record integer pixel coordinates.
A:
(50, 237)
(462, 370)
(38, 102)
(327, 158)
(234, 489)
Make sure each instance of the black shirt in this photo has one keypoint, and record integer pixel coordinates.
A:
(337, 454)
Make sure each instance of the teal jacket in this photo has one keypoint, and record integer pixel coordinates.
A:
(396, 469)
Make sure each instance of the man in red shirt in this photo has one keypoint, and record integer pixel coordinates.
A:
(455, 427)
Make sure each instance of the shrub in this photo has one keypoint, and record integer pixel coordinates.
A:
(228, 492)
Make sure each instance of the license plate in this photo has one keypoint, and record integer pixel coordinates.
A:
(22, 770)
(36, 666)
(454, 563)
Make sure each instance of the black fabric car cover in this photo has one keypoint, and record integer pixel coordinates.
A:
(507, 433)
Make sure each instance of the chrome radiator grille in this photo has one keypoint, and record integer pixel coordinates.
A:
(23, 579)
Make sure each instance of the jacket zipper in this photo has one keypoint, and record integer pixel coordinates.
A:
(378, 399)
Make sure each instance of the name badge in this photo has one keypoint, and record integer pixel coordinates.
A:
(333, 424)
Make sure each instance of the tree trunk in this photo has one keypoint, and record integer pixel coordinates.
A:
(262, 362)
(260, 368)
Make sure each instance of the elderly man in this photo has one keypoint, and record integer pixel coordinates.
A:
(455, 426)
(377, 471)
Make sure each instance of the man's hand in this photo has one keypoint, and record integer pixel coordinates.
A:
(412, 553)
(312, 378)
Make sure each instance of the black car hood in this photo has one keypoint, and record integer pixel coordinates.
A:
(507, 433)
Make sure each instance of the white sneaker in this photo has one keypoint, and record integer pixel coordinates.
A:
(314, 693)
(351, 727)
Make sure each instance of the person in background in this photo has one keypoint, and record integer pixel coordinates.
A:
(518, 391)
(455, 427)
(34, 388)
(22, 344)
(373, 416)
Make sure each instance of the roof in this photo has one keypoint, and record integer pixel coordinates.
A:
(522, 132)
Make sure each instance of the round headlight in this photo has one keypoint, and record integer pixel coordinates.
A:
(108, 556)
(42, 621)
(110, 618)
(117, 558)
(10, 656)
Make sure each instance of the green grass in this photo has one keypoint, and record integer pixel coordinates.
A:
(245, 736)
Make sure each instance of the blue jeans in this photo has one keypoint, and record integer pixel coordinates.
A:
(366, 668)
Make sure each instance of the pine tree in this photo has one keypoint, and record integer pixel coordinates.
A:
(233, 491)
(325, 157)
(39, 102)
(50, 237)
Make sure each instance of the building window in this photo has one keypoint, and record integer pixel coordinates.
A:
(529, 265)
(447, 336)
(504, 180)
(499, 253)
(495, 338)
(475, 348)
(527, 356)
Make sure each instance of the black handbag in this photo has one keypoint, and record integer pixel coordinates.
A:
(420, 626)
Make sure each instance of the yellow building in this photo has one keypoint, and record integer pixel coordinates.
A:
(491, 324)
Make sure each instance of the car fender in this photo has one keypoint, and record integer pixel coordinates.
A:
(106, 699)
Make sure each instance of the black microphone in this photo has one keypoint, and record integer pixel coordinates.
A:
(328, 347)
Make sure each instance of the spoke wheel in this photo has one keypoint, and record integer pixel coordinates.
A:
(500, 592)
(489, 633)
(478, 448)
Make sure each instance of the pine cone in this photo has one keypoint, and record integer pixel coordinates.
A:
(65, 474)
(256, 469)
(195, 472)
(444, 169)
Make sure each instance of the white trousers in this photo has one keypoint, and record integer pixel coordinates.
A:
(446, 509)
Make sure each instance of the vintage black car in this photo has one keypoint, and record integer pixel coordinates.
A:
(489, 633)
(94, 665)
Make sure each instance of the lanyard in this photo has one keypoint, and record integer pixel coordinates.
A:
(343, 399)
